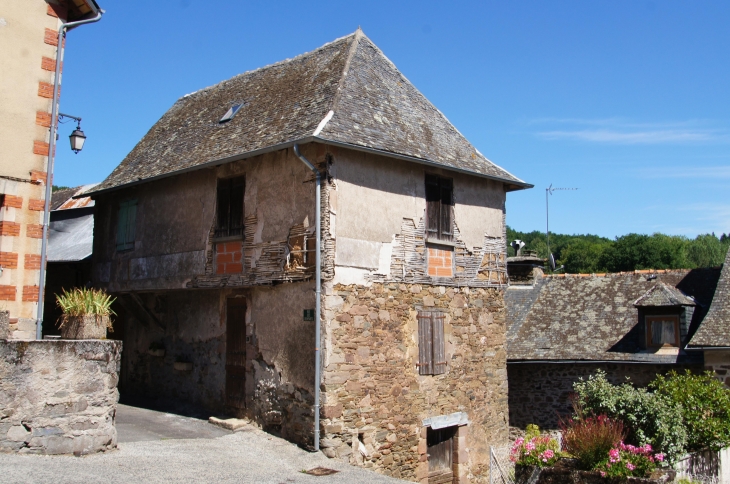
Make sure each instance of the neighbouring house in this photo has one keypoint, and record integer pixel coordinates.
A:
(28, 42)
(70, 243)
(713, 336)
(564, 327)
(206, 234)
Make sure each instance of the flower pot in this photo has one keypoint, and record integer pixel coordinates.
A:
(85, 327)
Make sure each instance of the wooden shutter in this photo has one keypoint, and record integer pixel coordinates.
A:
(439, 351)
(447, 203)
(425, 343)
(433, 206)
(126, 224)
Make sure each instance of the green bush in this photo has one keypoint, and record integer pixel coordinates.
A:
(705, 405)
(649, 418)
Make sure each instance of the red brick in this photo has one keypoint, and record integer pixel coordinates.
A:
(30, 293)
(7, 293)
(45, 90)
(234, 268)
(224, 258)
(11, 201)
(34, 231)
(43, 118)
(48, 64)
(32, 262)
(40, 148)
(234, 246)
(237, 256)
(51, 37)
(220, 269)
(38, 177)
(9, 260)
(36, 204)
(432, 271)
(444, 272)
(57, 11)
(10, 228)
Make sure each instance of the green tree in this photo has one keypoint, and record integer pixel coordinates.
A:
(706, 251)
(582, 256)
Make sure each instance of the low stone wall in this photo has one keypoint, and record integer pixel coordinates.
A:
(539, 392)
(58, 397)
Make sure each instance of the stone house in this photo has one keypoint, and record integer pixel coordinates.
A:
(563, 327)
(713, 336)
(206, 233)
(29, 46)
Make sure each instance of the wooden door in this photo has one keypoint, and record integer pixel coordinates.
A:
(236, 353)
(441, 455)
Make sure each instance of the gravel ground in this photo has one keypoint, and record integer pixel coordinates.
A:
(246, 456)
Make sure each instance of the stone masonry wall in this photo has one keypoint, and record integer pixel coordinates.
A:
(374, 400)
(540, 392)
(58, 397)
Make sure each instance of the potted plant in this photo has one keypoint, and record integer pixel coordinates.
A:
(86, 313)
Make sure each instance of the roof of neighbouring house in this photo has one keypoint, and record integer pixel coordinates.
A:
(595, 317)
(715, 328)
(345, 93)
(71, 231)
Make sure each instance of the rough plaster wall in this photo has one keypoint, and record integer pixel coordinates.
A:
(195, 333)
(284, 339)
(58, 397)
(539, 392)
(373, 391)
(376, 193)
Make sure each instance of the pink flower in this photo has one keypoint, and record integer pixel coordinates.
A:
(549, 454)
(603, 474)
(530, 446)
(630, 466)
(659, 457)
(613, 455)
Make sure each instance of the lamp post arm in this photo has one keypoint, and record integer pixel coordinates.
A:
(49, 169)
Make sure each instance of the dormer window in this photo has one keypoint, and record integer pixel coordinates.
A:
(662, 330)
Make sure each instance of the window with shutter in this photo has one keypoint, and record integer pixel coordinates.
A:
(431, 343)
(229, 216)
(439, 208)
(126, 224)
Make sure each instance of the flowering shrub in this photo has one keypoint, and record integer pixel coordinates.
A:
(589, 439)
(629, 461)
(537, 450)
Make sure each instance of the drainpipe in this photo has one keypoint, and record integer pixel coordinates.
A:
(49, 172)
(318, 293)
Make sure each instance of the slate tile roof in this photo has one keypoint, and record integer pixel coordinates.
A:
(715, 328)
(594, 317)
(662, 294)
(369, 103)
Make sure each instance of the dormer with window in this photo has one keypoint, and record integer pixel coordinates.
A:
(664, 316)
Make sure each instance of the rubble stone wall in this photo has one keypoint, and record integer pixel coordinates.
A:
(540, 392)
(58, 397)
(374, 400)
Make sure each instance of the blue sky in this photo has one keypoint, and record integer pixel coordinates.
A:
(629, 101)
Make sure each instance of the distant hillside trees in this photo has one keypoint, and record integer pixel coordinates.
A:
(594, 254)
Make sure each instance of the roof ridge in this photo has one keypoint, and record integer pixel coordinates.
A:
(358, 34)
(621, 273)
(275, 64)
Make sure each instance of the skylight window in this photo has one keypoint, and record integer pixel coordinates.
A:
(230, 113)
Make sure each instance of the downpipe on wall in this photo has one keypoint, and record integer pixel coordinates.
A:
(318, 292)
(49, 168)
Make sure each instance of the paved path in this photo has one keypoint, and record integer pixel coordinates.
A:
(204, 454)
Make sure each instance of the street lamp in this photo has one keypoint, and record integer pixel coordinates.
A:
(78, 137)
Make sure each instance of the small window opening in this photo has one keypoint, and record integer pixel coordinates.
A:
(230, 113)
(229, 217)
(662, 330)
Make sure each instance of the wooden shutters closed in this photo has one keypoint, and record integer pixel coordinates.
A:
(431, 343)
(236, 353)
(439, 207)
(126, 225)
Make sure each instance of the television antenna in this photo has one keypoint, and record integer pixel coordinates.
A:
(549, 191)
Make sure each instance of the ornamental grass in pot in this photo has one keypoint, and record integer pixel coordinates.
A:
(86, 313)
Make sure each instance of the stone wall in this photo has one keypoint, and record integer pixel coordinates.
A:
(540, 392)
(718, 362)
(58, 397)
(374, 400)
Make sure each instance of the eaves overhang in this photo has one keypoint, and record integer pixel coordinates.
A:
(510, 185)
